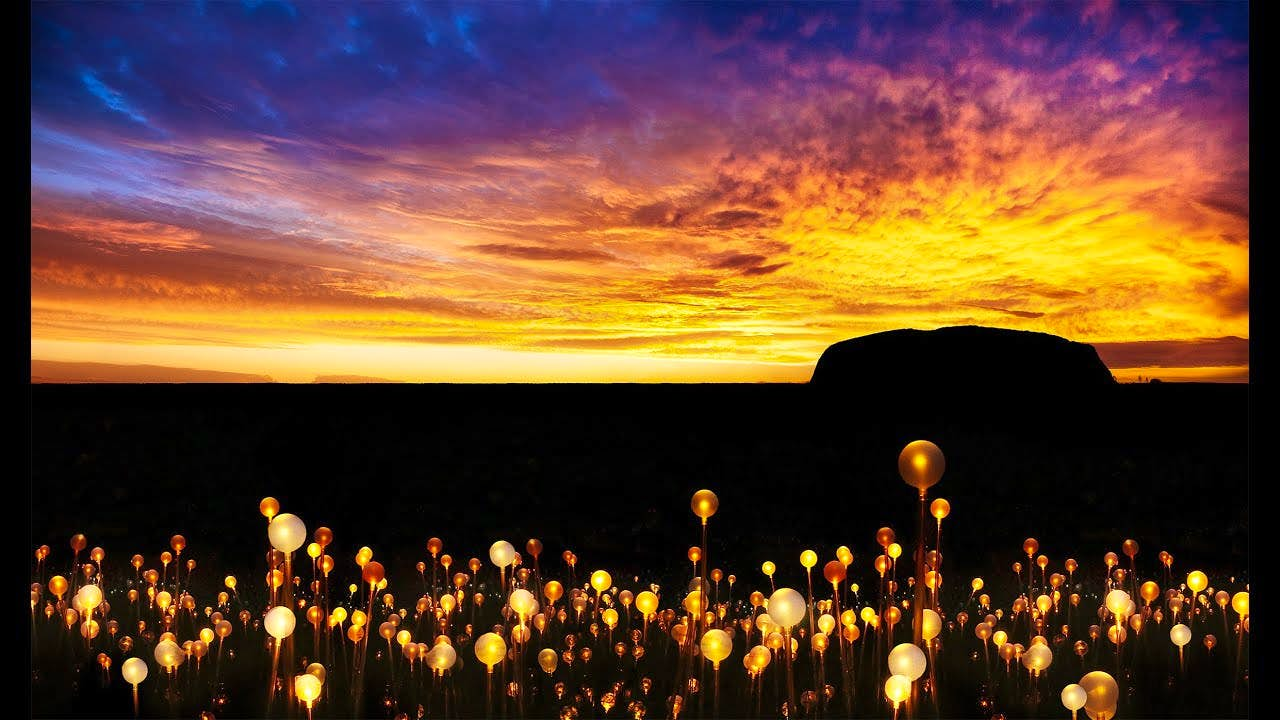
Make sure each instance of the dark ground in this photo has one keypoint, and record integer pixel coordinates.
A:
(607, 471)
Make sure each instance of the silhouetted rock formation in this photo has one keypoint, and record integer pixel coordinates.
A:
(959, 360)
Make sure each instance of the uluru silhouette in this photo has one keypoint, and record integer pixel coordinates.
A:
(959, 359)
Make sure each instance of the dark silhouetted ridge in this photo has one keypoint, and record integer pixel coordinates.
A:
(965, 359)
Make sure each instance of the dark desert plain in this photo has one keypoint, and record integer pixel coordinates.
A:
(1046, 446)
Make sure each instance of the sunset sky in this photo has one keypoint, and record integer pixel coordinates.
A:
(633, 191)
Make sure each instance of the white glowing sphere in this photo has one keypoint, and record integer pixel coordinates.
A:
(1074, 697)
(786, 607)
(1180, 634)
(287, 532)
(134, 670)
(908, 660)
(280, 620)
(502, 553)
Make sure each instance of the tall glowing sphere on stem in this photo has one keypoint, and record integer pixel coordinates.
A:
(269, 507)
(280, 621)
(921, 465)
(502, 553)
(1102, 693)
(134, 670)
(490, 649)
(940, 508)
(908, 660)
(704, 504)
(1240, 603)
(1037, 658)
(647, 603)
(786, 607)
(808, 559)
(287, 532)
(716, 646)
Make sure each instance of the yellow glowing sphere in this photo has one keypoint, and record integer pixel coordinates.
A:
(1102, 694)
(897, 689)
(940, 508)
(693, 602)
(646, 602)
(976, 584)
(894, 551)
(490, 649)
(547, 660)
(704, 504)
(1197, 581)
(716, 645)
(610, 617)
(601, 581)
(921, 465)
(1240, 603)
(206, 635)
(845, 555)
(1043, 603)
(931, 624)
(57, 585)
(230, 582)
(307, 687)
(269, 507)
(314, 550)
(999, 638)
(768, 568)
(808, 559)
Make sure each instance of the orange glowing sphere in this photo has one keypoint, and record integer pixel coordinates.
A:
(1130, 547)
(323, 536)
(434, 546)
(78, 542)
(1071, 565)
(884, 536)
(834, 572)
(882, 564)
(704, 504)
(921, 465)
(1111, 560)
(940, 508)
(178, 543)
(269, 507)
(553, 591)
(58, 585)
(694, 554)
(373, 572)
(845, 555)
(533, 547)
(1042, 561)
(1030, 546)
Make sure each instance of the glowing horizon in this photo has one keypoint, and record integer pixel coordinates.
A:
(640, 193)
